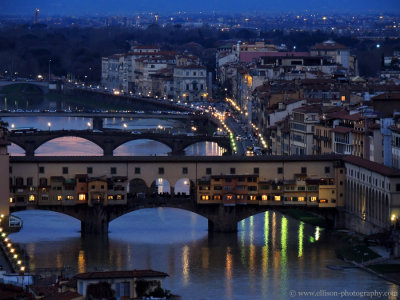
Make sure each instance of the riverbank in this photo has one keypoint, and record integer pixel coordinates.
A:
(374, 259)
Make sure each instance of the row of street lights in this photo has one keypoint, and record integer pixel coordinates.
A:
(10, 250)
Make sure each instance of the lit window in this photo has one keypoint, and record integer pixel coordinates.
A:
(252, 197)
(119, 197)
(313, 199)
(229, 197)
(82, 197)
(31, 198)
(59, 197)
(277, 198)
(11, 200)
(204, 197)
(264, 197)
(110, 197)
(301, 199)
(323, 201)
(70, 197)
(217, 197)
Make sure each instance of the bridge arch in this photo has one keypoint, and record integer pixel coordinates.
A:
(161, 186)
(142, 146)
(138, 188)
(184, 186)
(210, 148)
(73, 145)
(16, 150)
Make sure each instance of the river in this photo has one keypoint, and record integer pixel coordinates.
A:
(271, 257)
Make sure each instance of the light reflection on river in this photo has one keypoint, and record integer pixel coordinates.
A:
(269, 256)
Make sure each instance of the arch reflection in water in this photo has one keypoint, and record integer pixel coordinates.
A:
(142, 148)
(204, 149)
(15, 150)
(165, 239)
(69, 146)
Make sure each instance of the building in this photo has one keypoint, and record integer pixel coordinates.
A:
(126, 284)
(190, 83)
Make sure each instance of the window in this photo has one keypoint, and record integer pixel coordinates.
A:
(102, 187)
(89, 170)
(328, 170)
(252, 188)
(205, 197)
(160, 170)
(277, 198)
(187, 87)
(93, 187)
(45, 197)
(265, 187)
(110, 197)
(228, 180)
(280, 170)
(256, 170)
(29, 181)
(313, 199)
(303, 170)
(65, 170)
(301, 199)
(264, 197)
(113, 170)
(59, 197)
(217, 197)
(184, 170)
(82, 197)
(70, 197)
(137, 170)
(208, 171)
(43, 181)
(252, 197)
(398, 187)
(217, 188)
(41, 170)
(31, 198)
(12, 200)
(232, 171)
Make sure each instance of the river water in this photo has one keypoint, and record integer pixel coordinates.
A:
(271, 257)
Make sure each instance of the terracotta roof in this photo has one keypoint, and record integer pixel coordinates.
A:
(68, 295)
(372, 166)
(249, 56)
(43, 290)
(387, 96)
(120, 274)
(342, 129)
(328, 45)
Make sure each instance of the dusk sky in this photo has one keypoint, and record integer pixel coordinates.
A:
(127, 7)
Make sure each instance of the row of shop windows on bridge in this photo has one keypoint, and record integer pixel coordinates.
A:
(246, 189)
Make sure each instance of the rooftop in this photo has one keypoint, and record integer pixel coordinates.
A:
(120, 274)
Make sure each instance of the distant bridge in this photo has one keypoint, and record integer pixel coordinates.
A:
(110, 140)
(44, 85)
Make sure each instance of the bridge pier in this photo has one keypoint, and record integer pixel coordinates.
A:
(95, 221)
(223, 219)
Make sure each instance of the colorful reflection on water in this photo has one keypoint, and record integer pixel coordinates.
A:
(269, 256)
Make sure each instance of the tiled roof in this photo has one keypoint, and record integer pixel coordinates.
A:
(342, 129)
(372, 166)
(245, 56)
(120, 274)
(169, 159)
(68, 295)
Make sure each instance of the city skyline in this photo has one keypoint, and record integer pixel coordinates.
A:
(125, 7)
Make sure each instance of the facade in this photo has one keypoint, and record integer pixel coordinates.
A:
(124, 283)
(190, 83)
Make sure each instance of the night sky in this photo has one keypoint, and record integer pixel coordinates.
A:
(127, 7)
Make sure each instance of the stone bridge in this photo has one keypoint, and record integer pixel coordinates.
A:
(44, 85)
(110, 140)
(221, 218)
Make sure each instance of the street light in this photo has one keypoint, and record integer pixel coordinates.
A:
(49, 124)
(49, 68)
(125, 126)
(89, 124)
